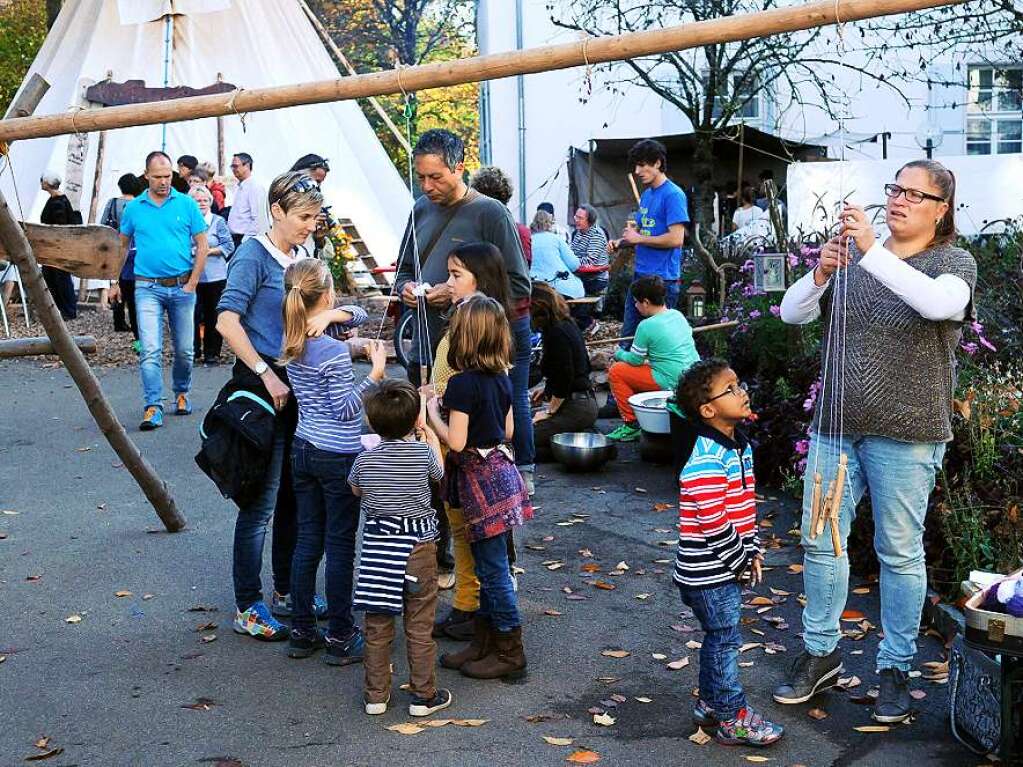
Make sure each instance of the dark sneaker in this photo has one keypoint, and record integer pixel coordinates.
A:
(152, 419)
(280, 606)
(704, 716)
(457, 620)
(894, 704)
(304, 643)
(748, 729)
(422, 707)
(609, 409)
(344, 652)
(808, 676)
(257, 622)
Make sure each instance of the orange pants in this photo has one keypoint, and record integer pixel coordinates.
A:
(626, 380)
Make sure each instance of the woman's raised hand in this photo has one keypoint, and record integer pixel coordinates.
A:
(855, 225)
(834, 255)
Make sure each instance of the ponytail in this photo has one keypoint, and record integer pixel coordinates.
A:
(306, 282)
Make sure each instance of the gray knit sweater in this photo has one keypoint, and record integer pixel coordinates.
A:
(900, 369)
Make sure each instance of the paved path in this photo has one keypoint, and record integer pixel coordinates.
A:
(110, 689)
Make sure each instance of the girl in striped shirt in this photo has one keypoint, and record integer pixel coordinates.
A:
(327, 441)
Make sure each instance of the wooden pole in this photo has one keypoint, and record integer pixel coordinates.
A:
(343, 61)
(28, 347)
(97, 177)
(591, 50)
(13, 239)
(221, 157)
(698, 329)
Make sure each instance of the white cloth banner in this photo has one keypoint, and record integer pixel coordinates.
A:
(142, 11)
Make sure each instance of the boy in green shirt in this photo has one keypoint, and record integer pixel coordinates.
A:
(662, 350)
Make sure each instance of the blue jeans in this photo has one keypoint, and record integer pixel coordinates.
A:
(250, 529)
(498, 601)
(632, 317)
(522, 439)
(328, 520)
(151, 301)
(900, 478)
(718, 609)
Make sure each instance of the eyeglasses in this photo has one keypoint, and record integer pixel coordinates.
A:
(733, 389)
(914, 196)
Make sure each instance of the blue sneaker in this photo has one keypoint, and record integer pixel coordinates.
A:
(748, 729)
(153, 418)
(184, 405)
(704, 716)
(280, 606)
(343, 652)
(257, 622)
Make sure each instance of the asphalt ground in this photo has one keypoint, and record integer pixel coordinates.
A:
(134, 683)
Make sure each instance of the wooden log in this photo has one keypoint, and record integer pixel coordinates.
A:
(27, 347)
(590, 50)
(17, 246)
(84, 251)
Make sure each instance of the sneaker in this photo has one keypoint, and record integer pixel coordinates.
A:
(445, 581)
(184, 407)
(302, 644)
(808, 676)
(344, 652)
(529, 480)
(136, 346)
(457, 620)
(257, 622)
(629, 431)
(593, 329)
(748, 729)
(376, 709)
(280, 606)
(704, 716)
(609, 409)
(153, 418)
(894, 703)
(423, 707)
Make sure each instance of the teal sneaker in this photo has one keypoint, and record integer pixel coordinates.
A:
(136, 347)
(343, 652)
(153, 418)
(257, 622)
(280, 606)
(748, 729)
(629, 431)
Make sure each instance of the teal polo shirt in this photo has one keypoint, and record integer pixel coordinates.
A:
(163, 233)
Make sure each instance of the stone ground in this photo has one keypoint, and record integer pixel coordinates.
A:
(121, 686)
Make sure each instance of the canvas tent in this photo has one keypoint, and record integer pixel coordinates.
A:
(252, 44)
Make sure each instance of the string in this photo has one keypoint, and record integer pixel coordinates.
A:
(74, 114)
(230, 105)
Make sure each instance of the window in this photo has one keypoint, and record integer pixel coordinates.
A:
(739, 92)
(994, 110)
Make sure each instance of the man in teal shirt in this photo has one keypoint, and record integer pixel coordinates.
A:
(662, 350)
(165, 225)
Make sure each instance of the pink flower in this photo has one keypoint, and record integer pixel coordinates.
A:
(755, 314)
(986, 344)
(793, 261)
(808, 404)
(803, 446)
(776, 311)
(970, 348)
(801, 465)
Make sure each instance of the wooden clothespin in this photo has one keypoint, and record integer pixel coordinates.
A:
(815, 505)
(836, 504)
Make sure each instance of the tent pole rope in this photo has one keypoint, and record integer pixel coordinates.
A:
(494, 66)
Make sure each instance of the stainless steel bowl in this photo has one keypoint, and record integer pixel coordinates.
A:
(582, 451)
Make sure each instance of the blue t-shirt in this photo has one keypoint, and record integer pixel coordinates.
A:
(658, 209)
(255, 292)
(485, 398)
(163, 233)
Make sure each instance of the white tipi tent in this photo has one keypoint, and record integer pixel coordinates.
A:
(253, 44)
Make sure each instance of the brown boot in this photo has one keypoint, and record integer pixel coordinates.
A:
(506, 660)
(479, 646)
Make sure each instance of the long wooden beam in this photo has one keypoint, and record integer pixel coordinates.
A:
(28, 347)
(591, 50)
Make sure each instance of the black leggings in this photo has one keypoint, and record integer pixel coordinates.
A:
(210, 342)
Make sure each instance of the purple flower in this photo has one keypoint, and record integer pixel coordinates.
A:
(976, 327)
(748, 266)
(970, 348)
(803, 446)
(801, 465)
(986, 344)
(776, 311)
(755, 314)
(793, 261)
(808, 404)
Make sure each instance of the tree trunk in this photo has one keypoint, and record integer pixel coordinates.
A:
(17, 247)
(703, 177)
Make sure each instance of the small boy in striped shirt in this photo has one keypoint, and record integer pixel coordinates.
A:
(718, 545)
(398, 561)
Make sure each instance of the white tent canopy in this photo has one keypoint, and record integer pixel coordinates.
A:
(253, 44)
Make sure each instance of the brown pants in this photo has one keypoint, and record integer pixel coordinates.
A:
(420, 610)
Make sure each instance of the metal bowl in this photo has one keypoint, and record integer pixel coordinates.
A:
(582, 451)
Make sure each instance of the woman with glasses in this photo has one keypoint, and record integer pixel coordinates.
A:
(250, 320)
(892, 323)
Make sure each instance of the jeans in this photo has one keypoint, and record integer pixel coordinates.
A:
(718, 609)
(498, 601)
(900, 478)
(632, 318)
(250, 529)
(522, 438)
(328, 520)
(573, 415)
(151, 301)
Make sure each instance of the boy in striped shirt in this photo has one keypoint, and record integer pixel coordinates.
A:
(718, 546)
(398, 561)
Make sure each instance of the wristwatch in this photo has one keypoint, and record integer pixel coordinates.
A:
(261, 367)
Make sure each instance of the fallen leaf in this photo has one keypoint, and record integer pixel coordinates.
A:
(590, 567)
(82, 449)
(699, 737)
(604, 585)
(622, 566)
(121, 594)
(757, 601)
(795, 569)
(469, 722)
(658, 656)
(3, 536)
(675, 665)
(200, 704)
(615, 653)
(583, 757)
(641, 490)
(853, 615)
(554, 565)
(873, 728)
(206, 627)
(780, 593)
(101, 506)
(663, 506)
(861, 590)
(604, 720)
(551, 612)
(557, 741)
(750, 646)
(692, 644)
(848, 682)
(746, 664)
(3, 658)
(207, 638)
(406, 728)
(73, 619)
(47, 755)
(757, 759)
(607, 679)
(817, 713)
(435, 723)
(917, 694)
(33, 578)
(10, 512)
(585, 553)
(643, 597)
(202, 609)
(147, 597)
(618, 698)
(43, 743)
(642, 699)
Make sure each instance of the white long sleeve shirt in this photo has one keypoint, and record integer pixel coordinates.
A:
(250, 213)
